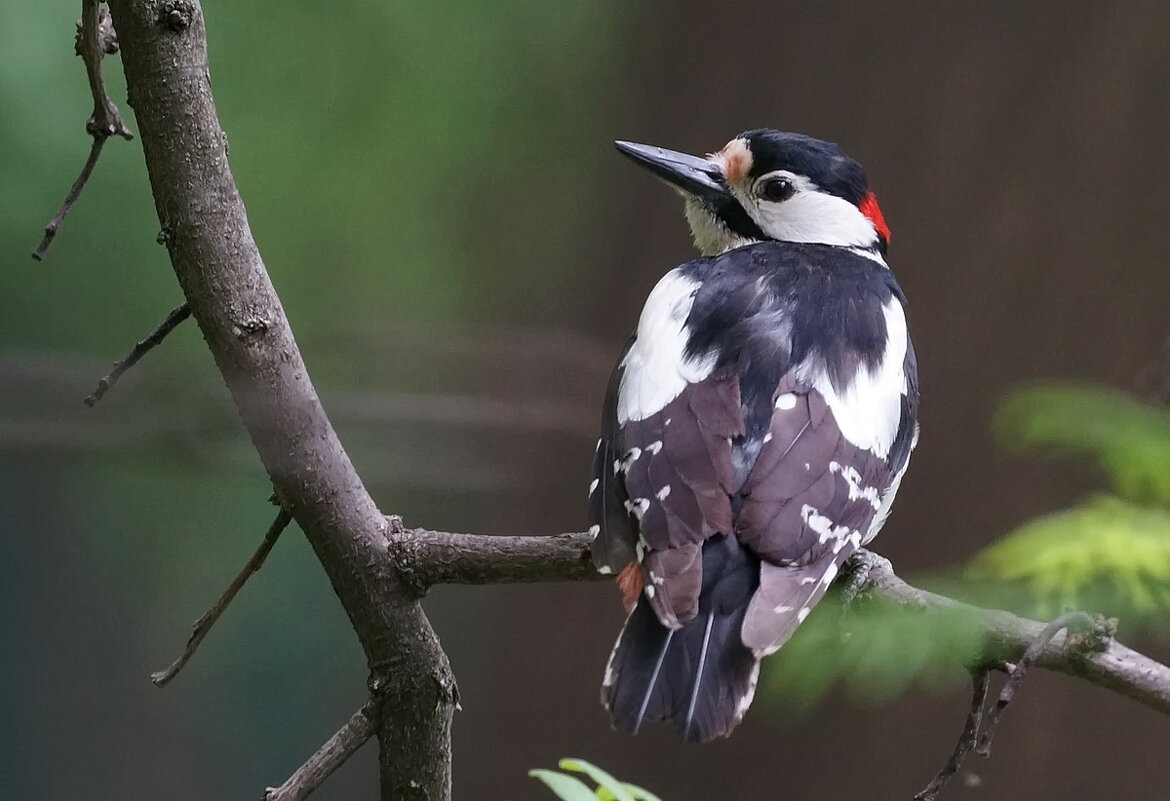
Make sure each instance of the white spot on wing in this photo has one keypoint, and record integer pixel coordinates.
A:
(663, 493)
(853, 481)
(593, 485)
(656, 368)
(823, 526)
(782, 609)
(802, 614)
(632, 455)
(786, 401)
(594, 530)
(605, 570)
(654, 447)
(649, 590)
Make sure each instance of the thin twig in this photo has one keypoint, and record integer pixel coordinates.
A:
(95, 38)
(95, 150)
(204, 624)
(177, 315)
(1016, 676)
(329, 757)
(980, 681)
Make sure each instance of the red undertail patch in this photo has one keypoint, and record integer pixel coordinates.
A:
(629, 581)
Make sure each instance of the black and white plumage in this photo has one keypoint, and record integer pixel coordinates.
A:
(756, 427)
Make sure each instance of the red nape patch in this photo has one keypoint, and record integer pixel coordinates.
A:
(869, 207)
(629, 581)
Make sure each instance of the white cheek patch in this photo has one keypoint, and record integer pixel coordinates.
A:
(869, 407)
(657, 369)
(810, 215)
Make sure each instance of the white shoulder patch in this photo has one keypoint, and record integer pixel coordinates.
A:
(656, 368)
(869, 408)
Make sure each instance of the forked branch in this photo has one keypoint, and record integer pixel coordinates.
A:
(95, 39)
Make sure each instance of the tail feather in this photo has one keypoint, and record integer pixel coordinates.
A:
(699, 677)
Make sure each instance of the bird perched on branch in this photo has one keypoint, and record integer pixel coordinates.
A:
(755, 429)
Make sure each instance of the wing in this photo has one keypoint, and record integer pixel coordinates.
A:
(614, 532)
(824, 480)
(663, 475)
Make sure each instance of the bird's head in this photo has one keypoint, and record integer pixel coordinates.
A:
(769, 185)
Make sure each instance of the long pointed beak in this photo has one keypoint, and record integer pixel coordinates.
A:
(694, 176)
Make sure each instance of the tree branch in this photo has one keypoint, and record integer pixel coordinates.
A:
(329, 757)
(203, 625)
(443, 557)
(95, 38)
(140, 349)
(222, 275)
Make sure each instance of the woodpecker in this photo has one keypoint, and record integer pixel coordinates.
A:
(755, 429)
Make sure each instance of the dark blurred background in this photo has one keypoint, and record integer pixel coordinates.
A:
(462, 255)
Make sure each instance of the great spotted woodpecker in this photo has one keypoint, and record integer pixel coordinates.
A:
(756, 427)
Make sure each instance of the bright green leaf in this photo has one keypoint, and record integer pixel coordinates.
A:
(566, 788)
(603, 779)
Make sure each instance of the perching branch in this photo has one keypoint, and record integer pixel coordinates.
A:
(140, 349)
(95, 38)
(1006, 637)
(329, 757)
(203, 625)
(442, 557)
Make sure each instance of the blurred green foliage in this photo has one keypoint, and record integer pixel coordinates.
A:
(570, 788)
(1103, 544)
(875, 650)
(1112, 548)
(1130, 439)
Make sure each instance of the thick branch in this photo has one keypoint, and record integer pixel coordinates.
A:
(440, 557)
(221, 273)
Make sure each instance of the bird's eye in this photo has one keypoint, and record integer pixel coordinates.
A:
(777, 189)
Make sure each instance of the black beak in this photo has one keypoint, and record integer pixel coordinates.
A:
(695, 176)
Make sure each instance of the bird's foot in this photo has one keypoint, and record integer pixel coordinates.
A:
(855, 577)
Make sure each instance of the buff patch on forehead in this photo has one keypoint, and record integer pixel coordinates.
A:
(735, 159)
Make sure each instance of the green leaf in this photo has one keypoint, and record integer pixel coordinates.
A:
(603, 779)
(1129, 438)
(1104, 544)
(566, 788)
